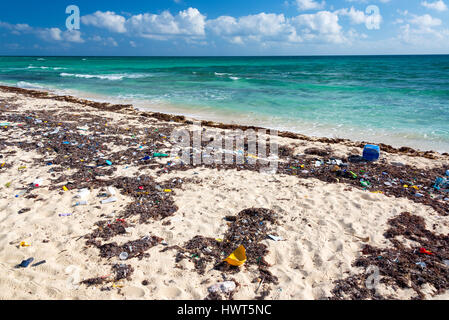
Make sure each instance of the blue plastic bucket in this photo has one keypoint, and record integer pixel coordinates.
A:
(371, 152)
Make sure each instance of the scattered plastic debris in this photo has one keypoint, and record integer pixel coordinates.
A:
(275, 238)
(24, 210)
(25, 263)
(406, 271)
(223, 287)
(160, 155)
(371, 152)
(81, 203)
(421, 264)
(83, 194)
(37, 183)
(238, 257)
(123, 256)
(38, 263)
(65, 214)
(424, 251)
(24, 244)
(109, 200)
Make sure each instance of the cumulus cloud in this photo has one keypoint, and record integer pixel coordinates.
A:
(189, 22)
(304, 5)
(155, 26)
(193, 27)
(108, 20)
(366, 1)
(16, 29)
(425, 22)
(259, 27)
(322, 25)
(56, 34)
(359, 17)
(423, 29)
(265, 28)
(437, 5)
(109, 41)
(47, 34)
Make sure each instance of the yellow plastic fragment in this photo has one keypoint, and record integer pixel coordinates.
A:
(238, 257)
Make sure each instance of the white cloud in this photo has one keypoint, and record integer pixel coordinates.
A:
(304, 5)
(425, 22)
(258, 30)
(72, 36)
(56, 34)
(53, 33)
(259, 27)
(108, 20)
(423, 30)
(109, 41)
(189, 22)
(322, 25)
(270, 28)
(366, 1)
(264, 28)
(47, 34)
(16, 29)
(359, 17)
(437, 5)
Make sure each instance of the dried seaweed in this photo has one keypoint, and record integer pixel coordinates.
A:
(248, 228)
(401, 266)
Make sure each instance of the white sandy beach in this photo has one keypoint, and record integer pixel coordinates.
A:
(322, 225)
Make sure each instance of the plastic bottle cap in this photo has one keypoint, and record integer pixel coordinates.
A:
(123, 256)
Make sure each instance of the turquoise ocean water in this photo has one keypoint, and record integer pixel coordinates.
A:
(400, 100)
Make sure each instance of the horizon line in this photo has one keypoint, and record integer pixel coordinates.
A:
(230, 56)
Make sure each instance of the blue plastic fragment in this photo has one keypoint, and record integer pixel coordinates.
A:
(26, 263)
(441, 183)
(421, 264)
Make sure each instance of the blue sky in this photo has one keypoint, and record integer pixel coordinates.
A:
(232, 27)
